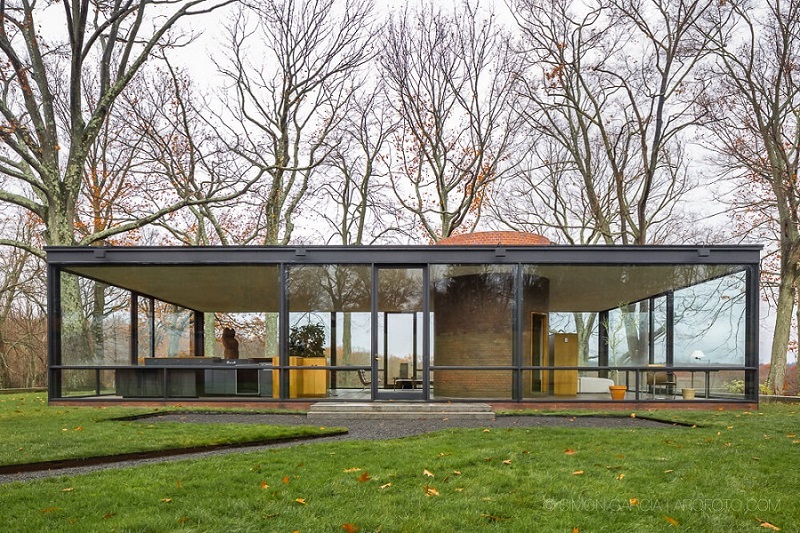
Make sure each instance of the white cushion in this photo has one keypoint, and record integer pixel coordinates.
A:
(591, 385)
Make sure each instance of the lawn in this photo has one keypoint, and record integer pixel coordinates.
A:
(31, 431)
(733, 472)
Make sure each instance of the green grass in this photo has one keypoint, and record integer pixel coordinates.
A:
(728, 474)
(31, 431)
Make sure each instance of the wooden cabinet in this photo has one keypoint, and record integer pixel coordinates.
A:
(303, 383)
(564, 352)
(314, 382)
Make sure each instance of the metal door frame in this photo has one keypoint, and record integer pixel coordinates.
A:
(379, 392)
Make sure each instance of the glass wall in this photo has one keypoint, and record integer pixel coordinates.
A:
(710, 331)
(96, 327)
(96, 331)
(497, 331)
(329, 325)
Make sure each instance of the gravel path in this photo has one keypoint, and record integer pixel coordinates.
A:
(357, 430)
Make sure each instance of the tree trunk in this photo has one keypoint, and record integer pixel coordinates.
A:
(780, 339)
(98, 312)
(209, 335)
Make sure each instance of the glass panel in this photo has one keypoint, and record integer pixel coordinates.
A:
(660, 330)
(400, 321)
(96, 327)
(144, 328)
(472, 383)
(330, 324)
(473, 308)
(173, 331)
(628, 335)
(79, 382)
(709, 322)
(246, 329)
(585, 326)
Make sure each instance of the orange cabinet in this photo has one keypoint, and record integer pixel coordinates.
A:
(564, 352)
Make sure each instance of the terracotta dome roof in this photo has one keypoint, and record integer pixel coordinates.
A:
(493, 238)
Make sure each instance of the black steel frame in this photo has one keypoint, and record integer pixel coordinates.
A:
(62, 259)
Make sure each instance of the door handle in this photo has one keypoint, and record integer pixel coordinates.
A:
(377, 358)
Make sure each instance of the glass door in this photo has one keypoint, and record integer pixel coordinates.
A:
(399, 347)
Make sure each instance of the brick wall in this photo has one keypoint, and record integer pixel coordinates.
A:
(474, 327)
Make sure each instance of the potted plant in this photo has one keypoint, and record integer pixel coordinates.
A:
(307, 341)
(307, 344)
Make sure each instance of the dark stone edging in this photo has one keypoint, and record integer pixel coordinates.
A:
(155, 454)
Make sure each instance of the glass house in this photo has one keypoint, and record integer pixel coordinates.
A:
(517, 321)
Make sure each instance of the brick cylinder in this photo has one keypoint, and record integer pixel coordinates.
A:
(473, 326)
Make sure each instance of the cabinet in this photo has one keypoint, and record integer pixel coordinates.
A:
(303, 383)
(564, 352)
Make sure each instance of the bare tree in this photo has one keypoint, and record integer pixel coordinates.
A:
(290, 95)
(22, 317)
(614, 96)
(756, 107)
(46, 147)
(50, 123)
(352, 187)
(449, 75)
(610, 93)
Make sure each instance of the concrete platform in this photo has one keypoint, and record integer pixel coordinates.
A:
(399, 410)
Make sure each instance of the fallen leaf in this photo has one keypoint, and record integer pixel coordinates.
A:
(301, 501)
(459, 489)
(633, 415)
(286, 479)
(264, 485)
(633, 502)
(457, 472)
(68, 489)
(507, 462)
(109, 515)
(578, 473)
(445, 454)
(620, 476)
(767, 525)
(350, 528)
(183, 519)
(79, 428)
(486, 430)
(166, 500)
(428, 473)
(671, 521)
(179, 484)
(386, 486)
(569, 451)
(48, 510)
(351, 470)
(363, 478)
(430, 491)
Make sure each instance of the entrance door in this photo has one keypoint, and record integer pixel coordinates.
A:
(401, 332)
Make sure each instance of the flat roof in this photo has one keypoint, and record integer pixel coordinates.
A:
(242, 279)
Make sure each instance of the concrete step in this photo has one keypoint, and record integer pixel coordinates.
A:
(398, 410)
